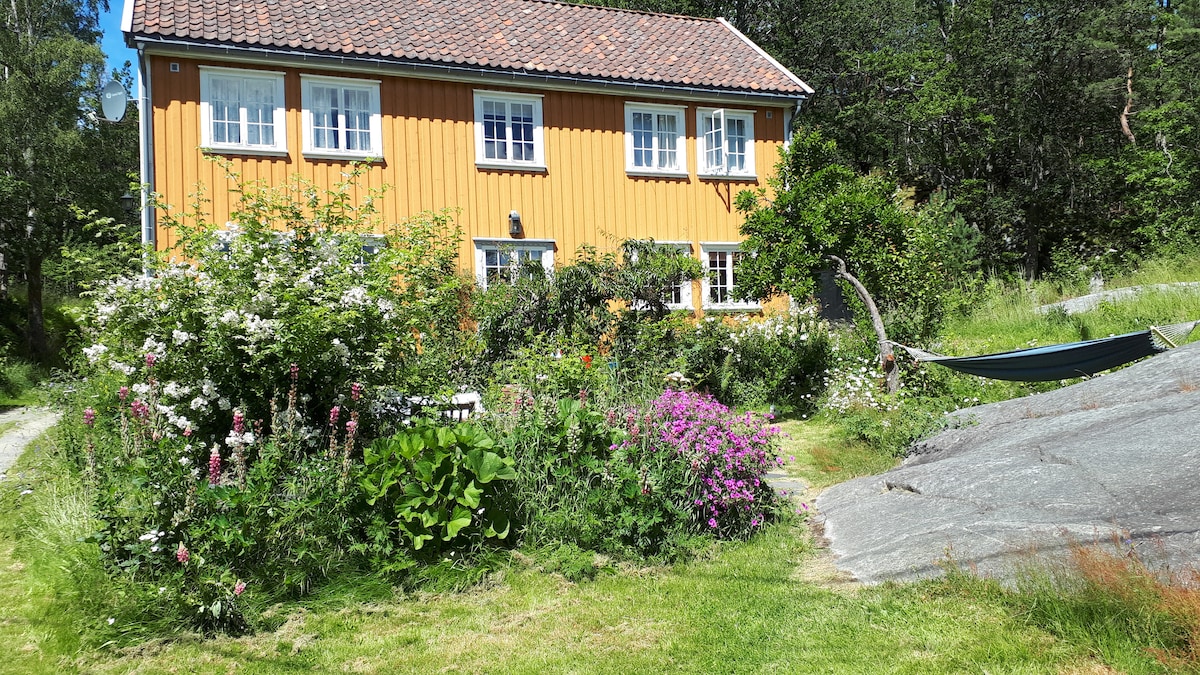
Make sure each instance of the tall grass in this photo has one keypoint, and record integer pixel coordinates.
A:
(1110, 600)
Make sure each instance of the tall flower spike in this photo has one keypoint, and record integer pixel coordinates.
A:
(214, 466)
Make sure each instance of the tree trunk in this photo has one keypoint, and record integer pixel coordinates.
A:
(887, 358)
(35, 332)
(1128, 108)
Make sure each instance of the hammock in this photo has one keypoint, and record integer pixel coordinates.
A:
(1059, 362)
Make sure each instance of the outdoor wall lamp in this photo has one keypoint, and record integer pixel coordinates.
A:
(514, 223)
(127, 202)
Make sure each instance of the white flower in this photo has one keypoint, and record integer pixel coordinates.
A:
(180, 336)
(209, 389)
(94, 352)
(231, 317)
(198, 403)
(111, 621)
(184, 461)
(141, 389)
(176, 390)
(355, 296)
(120, 367)
(223, 403)
(153, 346)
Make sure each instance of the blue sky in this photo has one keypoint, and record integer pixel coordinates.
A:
(113, 42)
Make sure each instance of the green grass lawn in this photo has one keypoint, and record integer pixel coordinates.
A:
(773, 604)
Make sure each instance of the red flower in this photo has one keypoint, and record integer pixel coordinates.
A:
(587, 360)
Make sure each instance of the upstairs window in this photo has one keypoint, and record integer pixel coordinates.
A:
(508, 130)
(720, 277)
(242, 111)
(341, 118)
(726, 139)
(501, 260)
(654, 140)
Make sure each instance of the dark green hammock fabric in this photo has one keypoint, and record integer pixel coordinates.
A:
(1055, 362)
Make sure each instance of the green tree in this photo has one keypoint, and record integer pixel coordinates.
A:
(57, 159)
(824, 212)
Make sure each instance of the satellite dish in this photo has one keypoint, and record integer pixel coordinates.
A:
(112, 101)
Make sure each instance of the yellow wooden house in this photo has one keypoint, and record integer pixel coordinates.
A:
(548, 125)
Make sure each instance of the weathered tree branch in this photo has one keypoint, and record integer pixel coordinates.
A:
(1128, 108)
(887, 359)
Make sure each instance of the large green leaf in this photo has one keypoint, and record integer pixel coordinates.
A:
(458, 520)
(470, 496)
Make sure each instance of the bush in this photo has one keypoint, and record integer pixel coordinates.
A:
(272, 513)
(289, 285)
(638, 481)
(780, 359)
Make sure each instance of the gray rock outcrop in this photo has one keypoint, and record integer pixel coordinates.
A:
(1114, 458)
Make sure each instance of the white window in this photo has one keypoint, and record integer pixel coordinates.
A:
(508, 131)
(680, 295)
(654, 140)
(341, 118)
(720, 277)
(242, 111)
(726, 140)
(500, 260)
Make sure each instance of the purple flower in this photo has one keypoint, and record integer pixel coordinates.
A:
(151, 359)
(89, 417)
(181, 553)
(214, 466)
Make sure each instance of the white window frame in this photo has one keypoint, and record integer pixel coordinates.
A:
(374, 121)
(278, 118)
(705, 153)
(484, 244)
(707, 247)
(681, 167)
(538, 163)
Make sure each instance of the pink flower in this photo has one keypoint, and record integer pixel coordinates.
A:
(351, 426)
(181, 553)
(150, 359)
(333, 415)
(123, 393)
(712, 522)
(294, 371)
(239, 587)
(214, 466)
(89, 417)
(239, 422)
(356, 391)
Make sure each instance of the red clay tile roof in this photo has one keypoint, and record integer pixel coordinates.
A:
(535, 36)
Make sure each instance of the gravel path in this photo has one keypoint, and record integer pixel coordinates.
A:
(31, 423)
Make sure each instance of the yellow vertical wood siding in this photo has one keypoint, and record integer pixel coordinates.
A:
(584, 196)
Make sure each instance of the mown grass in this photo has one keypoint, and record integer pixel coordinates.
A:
(820, 453)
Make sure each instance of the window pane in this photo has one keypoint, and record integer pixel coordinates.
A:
(643, 139)
(260, 112)
(713, 142)
(325, 116)
(358, 119)
(666, 142)
(718, 276)
(522, 131)
(495, 127)
(735, 144)
(226, 110)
